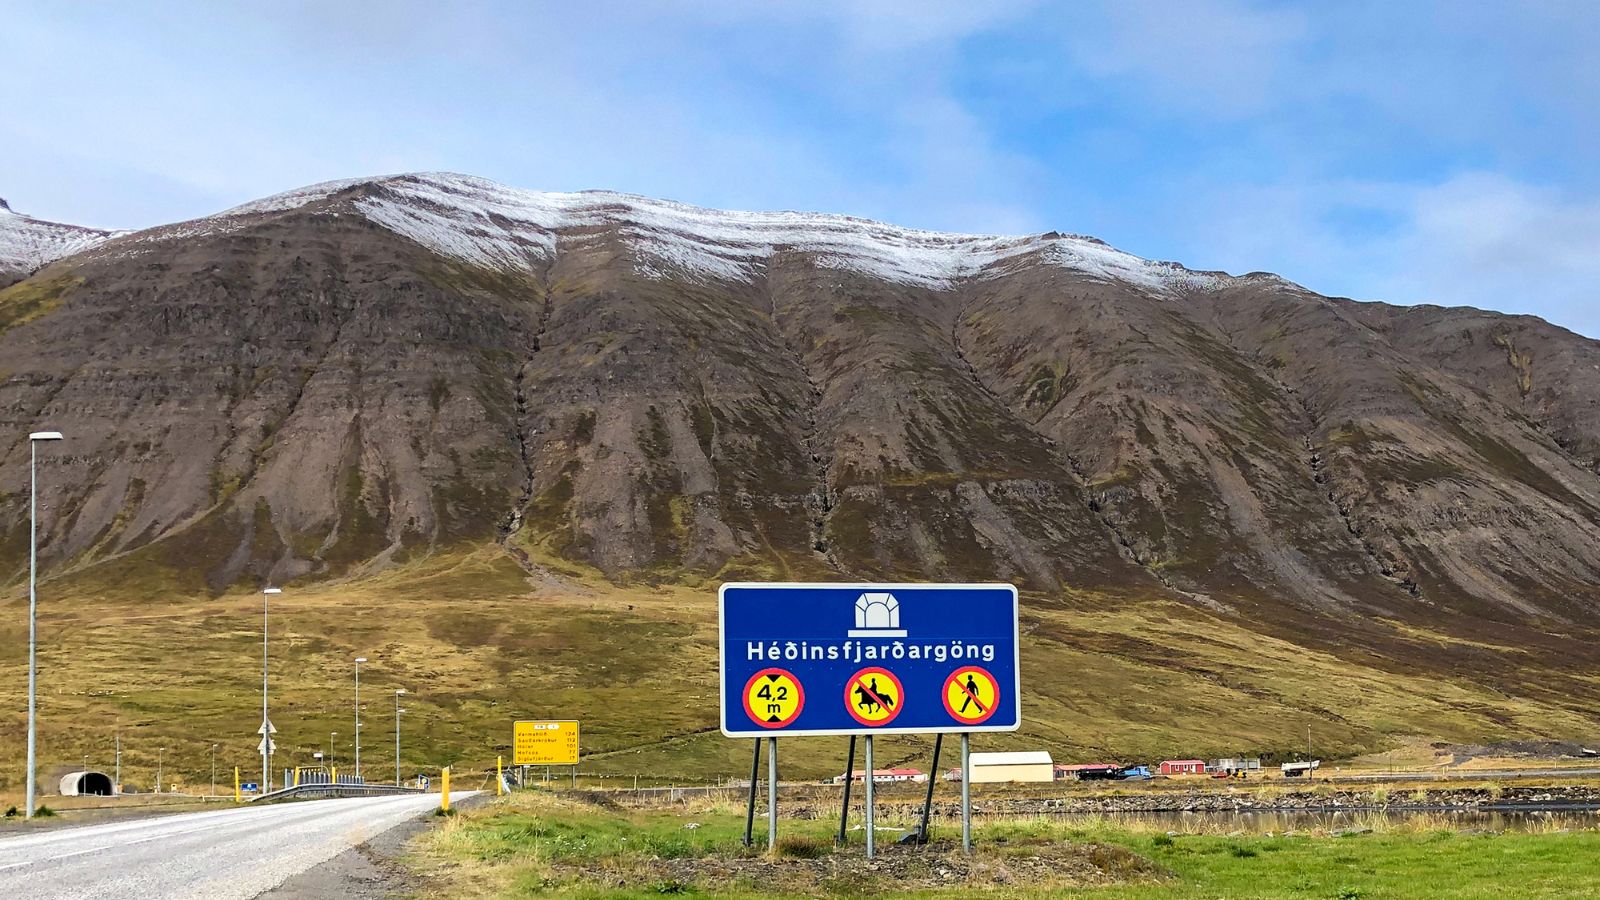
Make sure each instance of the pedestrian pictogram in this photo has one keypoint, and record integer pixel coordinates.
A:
(971, 695)
(874, 696)
(773, 698)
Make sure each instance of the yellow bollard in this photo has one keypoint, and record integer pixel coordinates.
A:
(499, 779)
(444, 789)
(333, 774)
(237, 796)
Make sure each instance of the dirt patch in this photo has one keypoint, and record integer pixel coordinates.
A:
(940, 865)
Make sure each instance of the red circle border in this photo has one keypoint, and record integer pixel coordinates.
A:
(800, 697)
(874, 670)
(944, 694)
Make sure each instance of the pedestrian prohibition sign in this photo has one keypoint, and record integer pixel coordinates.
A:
(874, 696)
(971, 694)
(840, 659)
(773, 697)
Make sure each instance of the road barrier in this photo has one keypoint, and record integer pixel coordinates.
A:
(325, 789)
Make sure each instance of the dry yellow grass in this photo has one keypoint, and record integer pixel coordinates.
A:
(478, 643)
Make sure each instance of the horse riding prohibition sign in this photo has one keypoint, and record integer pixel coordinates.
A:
(874, 696)
(773, 697)
(971, 694)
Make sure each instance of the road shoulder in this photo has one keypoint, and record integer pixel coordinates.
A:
(372, 870)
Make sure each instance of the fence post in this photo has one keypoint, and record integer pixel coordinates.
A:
(499, 779)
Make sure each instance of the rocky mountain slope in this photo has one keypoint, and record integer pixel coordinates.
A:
(330, 380)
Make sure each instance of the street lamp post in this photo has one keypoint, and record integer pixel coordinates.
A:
(33, 600)
(160, 752)
(399, 692)
(331, 736)
(359, 661)
(266, 730)
(213, 770)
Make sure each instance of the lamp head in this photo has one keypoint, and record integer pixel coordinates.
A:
(272, 590)
(361, 659)
(399, 690)
(45, 436)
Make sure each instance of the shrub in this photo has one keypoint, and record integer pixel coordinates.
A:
(1242, 852)
(799, 846)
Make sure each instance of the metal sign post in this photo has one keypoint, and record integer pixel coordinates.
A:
(927, 805)
(849, 776)
(871, 840)
(966, 792)
(772, 794)
(755, 779)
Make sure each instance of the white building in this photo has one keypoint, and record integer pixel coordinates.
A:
(1019, 765)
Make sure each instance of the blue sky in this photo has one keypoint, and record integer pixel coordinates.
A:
(1412, 152)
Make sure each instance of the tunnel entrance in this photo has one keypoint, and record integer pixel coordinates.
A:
(95, 784)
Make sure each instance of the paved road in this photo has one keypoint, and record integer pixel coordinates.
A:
(232, 853)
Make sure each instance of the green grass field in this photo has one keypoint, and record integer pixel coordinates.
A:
(537, 844)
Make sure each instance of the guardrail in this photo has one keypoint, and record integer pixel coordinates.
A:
(325, 789)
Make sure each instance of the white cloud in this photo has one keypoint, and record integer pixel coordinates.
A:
(1204, 57)
(1475, 239)
(1490, 241)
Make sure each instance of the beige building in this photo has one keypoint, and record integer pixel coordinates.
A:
(1023, 765)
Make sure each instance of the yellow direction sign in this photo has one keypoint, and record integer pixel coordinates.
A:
(773, 698)
(971, 694)
(544, 743)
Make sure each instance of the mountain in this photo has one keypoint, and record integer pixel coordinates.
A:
(621, 392)
(364, 370)
(28, 244)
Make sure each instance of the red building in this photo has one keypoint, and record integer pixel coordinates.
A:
(1183, 767)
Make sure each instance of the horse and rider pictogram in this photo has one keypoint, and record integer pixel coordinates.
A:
(874, 696)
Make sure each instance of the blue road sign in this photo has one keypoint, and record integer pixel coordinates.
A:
(868, 658)
(249, 786)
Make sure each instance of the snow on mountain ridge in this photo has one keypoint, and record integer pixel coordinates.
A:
(28, 244)
(487, 224)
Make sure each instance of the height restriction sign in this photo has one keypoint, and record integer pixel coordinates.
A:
(773, 697)
(868, 658)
